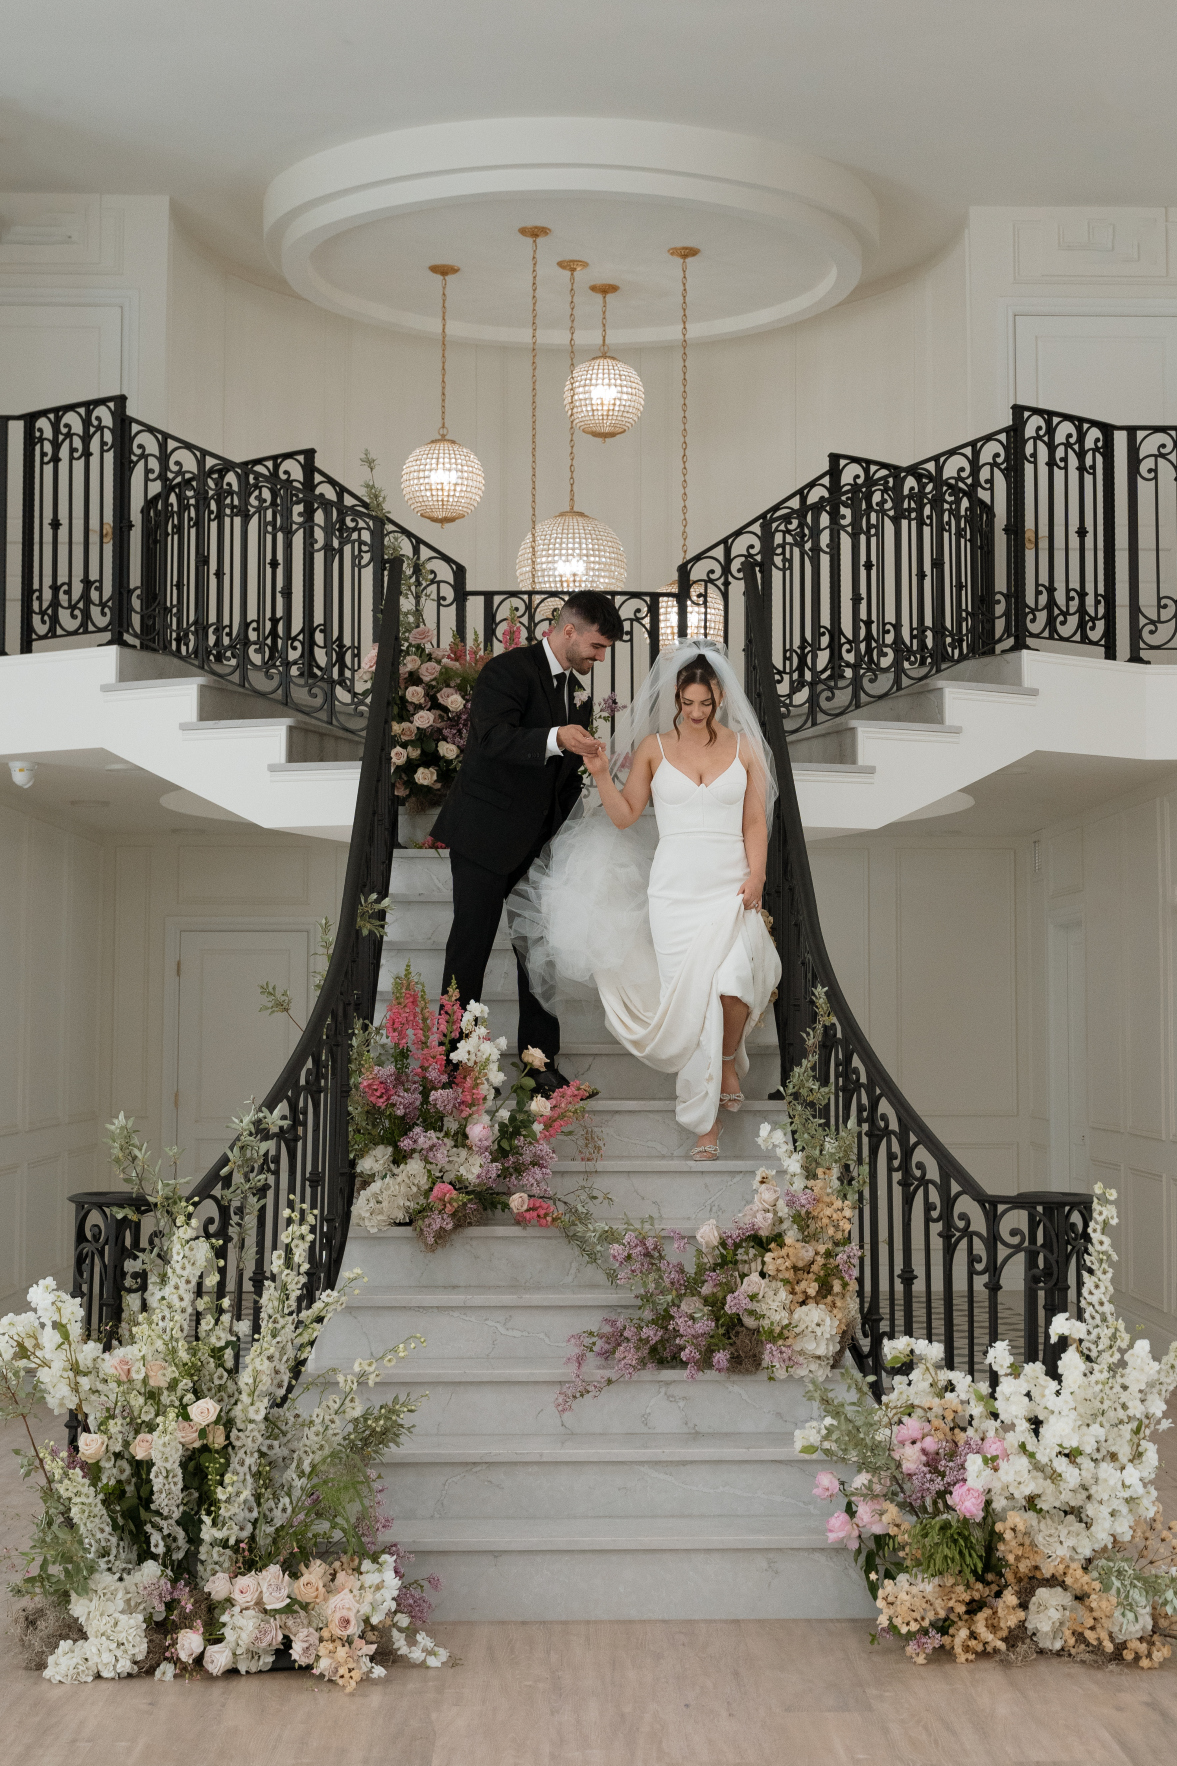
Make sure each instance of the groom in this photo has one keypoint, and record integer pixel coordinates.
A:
(519, 778)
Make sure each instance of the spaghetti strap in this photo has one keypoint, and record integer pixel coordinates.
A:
(737, 744)
(661, 750)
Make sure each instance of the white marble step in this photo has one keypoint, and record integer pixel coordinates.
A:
(638, 1567)
(508, 1397)
(490, 1478)
(488, 1324)
(646, 1128)
(618, 1076)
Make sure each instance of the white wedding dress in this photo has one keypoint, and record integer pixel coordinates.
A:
(705, 942)
(648, 916)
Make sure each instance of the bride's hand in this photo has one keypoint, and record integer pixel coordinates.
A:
(752, 890)
(598, 763)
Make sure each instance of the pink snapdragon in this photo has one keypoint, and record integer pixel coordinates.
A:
(841, 1530)
(538, 1212)
(968, 1501)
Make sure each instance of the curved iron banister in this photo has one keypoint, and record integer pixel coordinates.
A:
(936, 1246)
(309, 1161)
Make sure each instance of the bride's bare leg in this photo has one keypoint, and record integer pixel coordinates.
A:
(735, 1017)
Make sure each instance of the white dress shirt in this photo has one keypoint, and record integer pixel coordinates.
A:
(558, 674)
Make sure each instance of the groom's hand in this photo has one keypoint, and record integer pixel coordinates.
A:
(574, 739)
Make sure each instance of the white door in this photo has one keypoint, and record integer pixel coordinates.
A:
(227, 1051)
(1069, 1153)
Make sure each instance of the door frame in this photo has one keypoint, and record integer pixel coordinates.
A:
(174, 926)
(1066, 918)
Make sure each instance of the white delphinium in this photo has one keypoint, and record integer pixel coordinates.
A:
(88, 1514)
(1079, 1460)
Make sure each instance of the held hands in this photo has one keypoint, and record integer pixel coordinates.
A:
(574, 739)
(598, 763)
(752, 890)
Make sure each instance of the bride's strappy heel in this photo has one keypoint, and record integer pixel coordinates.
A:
(706, 1153)
(731, 1100)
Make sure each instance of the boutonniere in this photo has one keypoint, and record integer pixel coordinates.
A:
(580, 697)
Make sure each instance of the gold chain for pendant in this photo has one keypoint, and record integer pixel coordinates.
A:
(684, 409)
(444, 283)
(534, 340)
(604, 344)
(572, 401)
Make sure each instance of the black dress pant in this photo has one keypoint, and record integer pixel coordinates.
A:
(479, 895)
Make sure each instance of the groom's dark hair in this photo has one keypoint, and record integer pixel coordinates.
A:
(588, 608)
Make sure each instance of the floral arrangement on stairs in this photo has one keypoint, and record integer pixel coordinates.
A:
(777, 1290)
(437, 1137)
(209, 1518)
(1019, 1522)
(430, 715)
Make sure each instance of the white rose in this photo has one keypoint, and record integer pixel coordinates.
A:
(447, 751)
(540, 1107)
(518, 1202)
(429, 671)
(708, 1235)
(246, 1591)
(203, 1412)
(189, 1433)
(425, 775)
(415, 695)
(189, 1645)
(399, 756)
(91, 1448)
(267, 1635)
(217, 1658)
(275, 1587)
(141, 1446)
(157, 1373)
(220, 1586)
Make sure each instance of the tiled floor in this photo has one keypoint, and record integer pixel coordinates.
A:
(788, 1693)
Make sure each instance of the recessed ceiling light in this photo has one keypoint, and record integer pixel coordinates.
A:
(120, 766)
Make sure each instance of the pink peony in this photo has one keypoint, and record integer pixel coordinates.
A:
(929, 1447)
(826, 1486)
(968, 1502)
(217, 1658)
(869, 1518)
(440, 1191)
(840, 1530)
(993, 1447)
(914, 1429)
(479, 1136)
(911, 1459)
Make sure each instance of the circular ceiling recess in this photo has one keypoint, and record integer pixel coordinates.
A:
(781, 233)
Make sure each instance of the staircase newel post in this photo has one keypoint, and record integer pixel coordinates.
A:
(120, 561)
(1017, 522)
(835, 609)
(684, 597)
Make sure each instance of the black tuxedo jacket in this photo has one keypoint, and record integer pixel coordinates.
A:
(507, 798)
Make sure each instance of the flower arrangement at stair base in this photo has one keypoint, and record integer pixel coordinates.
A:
(776, 1291)
(1024, 1521)
(437, 1136)
(188, 1530)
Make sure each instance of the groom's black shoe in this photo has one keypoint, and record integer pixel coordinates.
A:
(551, 1080)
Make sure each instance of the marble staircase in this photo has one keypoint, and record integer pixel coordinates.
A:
(661, 1498)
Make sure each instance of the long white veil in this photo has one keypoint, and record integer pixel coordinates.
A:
(582, 911)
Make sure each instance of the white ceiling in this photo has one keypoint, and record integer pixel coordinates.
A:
(935, 103)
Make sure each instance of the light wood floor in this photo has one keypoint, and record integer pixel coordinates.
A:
(789, 1693)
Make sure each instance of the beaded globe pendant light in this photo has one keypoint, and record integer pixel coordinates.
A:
(443, 481)
(704, 604)
(571, 550)
(604, 397)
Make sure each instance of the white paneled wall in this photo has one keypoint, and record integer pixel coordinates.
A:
(52, 891)
(929, 937)
(264, 888)
(1112, 875)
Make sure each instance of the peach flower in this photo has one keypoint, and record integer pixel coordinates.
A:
(343, 1614)
(246, 1591)
(203, 1411)
(122, 1367)
(91, 1448)
(157, 1373)
(189, 1433)
(275, 1587)
(141, 1446)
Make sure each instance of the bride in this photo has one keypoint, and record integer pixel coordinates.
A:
(662, 913)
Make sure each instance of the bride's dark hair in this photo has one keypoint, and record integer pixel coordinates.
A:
(698, 673)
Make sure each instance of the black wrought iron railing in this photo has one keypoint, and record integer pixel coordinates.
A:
(264, 573)
(941, 1257)
(877, 577)
(308, 1163)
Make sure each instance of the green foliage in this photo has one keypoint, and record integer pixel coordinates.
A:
(56, 1562)
(949, 1546)
(1136, 1590)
